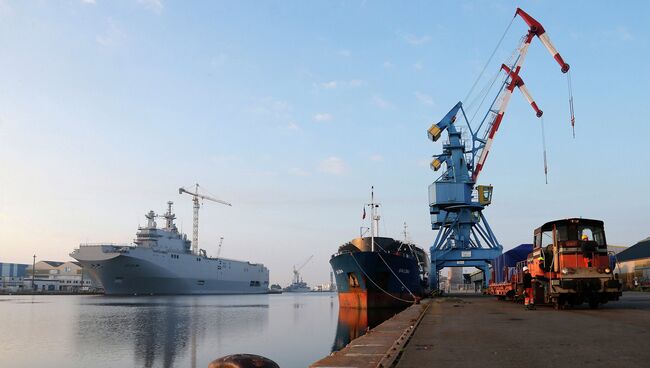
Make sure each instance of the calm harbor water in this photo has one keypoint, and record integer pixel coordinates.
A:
(172, 331)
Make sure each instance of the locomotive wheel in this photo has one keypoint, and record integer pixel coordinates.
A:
(593, 303)
(556, 304)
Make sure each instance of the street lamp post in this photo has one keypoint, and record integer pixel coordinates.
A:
(33, 270)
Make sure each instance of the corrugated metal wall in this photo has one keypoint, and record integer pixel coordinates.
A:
(13, 270)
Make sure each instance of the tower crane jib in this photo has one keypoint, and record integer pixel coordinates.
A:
(197, 205)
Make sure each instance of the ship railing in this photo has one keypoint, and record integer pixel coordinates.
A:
(109, 247)
(343, 252)
(104, 244)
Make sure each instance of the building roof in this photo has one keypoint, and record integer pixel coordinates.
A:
(637, 251)
(53, 263)
(69, 264)
(616, 248)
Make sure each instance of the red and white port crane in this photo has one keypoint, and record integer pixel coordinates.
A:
(515, 80)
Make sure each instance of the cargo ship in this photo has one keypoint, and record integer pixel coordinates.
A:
(161, 262)
(379, 272)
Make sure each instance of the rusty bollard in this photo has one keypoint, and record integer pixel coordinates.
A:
(243, 361)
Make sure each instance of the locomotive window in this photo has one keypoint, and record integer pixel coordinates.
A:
(593, 233)
(585, 231)
(561, 234)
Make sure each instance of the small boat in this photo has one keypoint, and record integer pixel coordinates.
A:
(298, 285)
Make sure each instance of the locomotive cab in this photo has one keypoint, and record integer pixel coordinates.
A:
(570, 263)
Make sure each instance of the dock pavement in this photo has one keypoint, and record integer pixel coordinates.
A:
(479, 331)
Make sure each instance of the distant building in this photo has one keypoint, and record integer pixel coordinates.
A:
(59, 276)
(633, 265)
(12, 276)
(476, 280)
(325, 287)
(443, 281)
(455, 280)
(616, 249)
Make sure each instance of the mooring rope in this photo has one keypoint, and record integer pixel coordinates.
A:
(489, 59)
(379, 287)
(394, 274)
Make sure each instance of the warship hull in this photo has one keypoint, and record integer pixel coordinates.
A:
(142, 271)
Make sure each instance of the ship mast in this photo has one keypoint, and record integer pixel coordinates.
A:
(406, 233)
(169, 217)
(374, 218)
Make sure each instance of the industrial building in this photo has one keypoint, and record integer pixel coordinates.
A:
(58, 276)
(12, 276)
(633, 266)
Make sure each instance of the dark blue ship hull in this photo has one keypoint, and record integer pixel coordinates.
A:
(376, 279)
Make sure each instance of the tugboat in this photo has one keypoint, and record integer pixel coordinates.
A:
(379, 272)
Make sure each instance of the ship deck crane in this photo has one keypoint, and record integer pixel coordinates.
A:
(464, 237)
(197, 205)
(296, 271)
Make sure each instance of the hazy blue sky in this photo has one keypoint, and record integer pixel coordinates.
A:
(291, 110)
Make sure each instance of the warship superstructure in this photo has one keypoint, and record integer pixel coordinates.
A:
(161, 262)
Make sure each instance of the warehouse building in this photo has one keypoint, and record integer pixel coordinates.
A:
(59, 276)
(633, 266)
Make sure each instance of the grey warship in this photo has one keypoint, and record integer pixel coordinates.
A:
(161, 262)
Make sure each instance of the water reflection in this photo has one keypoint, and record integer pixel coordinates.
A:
(354, 323)
(162, 331)
(77, 331)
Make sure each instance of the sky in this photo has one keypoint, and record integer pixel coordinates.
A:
(292, 110)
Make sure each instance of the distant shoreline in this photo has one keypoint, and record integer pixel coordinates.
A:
(2, 293)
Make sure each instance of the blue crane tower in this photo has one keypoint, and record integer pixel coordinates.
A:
(464, 237)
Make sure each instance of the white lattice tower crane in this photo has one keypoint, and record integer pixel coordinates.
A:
(195, 224)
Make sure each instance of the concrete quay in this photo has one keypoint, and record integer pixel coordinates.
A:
(473, 331)
(379, 347)
(476, 330)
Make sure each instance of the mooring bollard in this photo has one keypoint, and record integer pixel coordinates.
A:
(243, 361)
